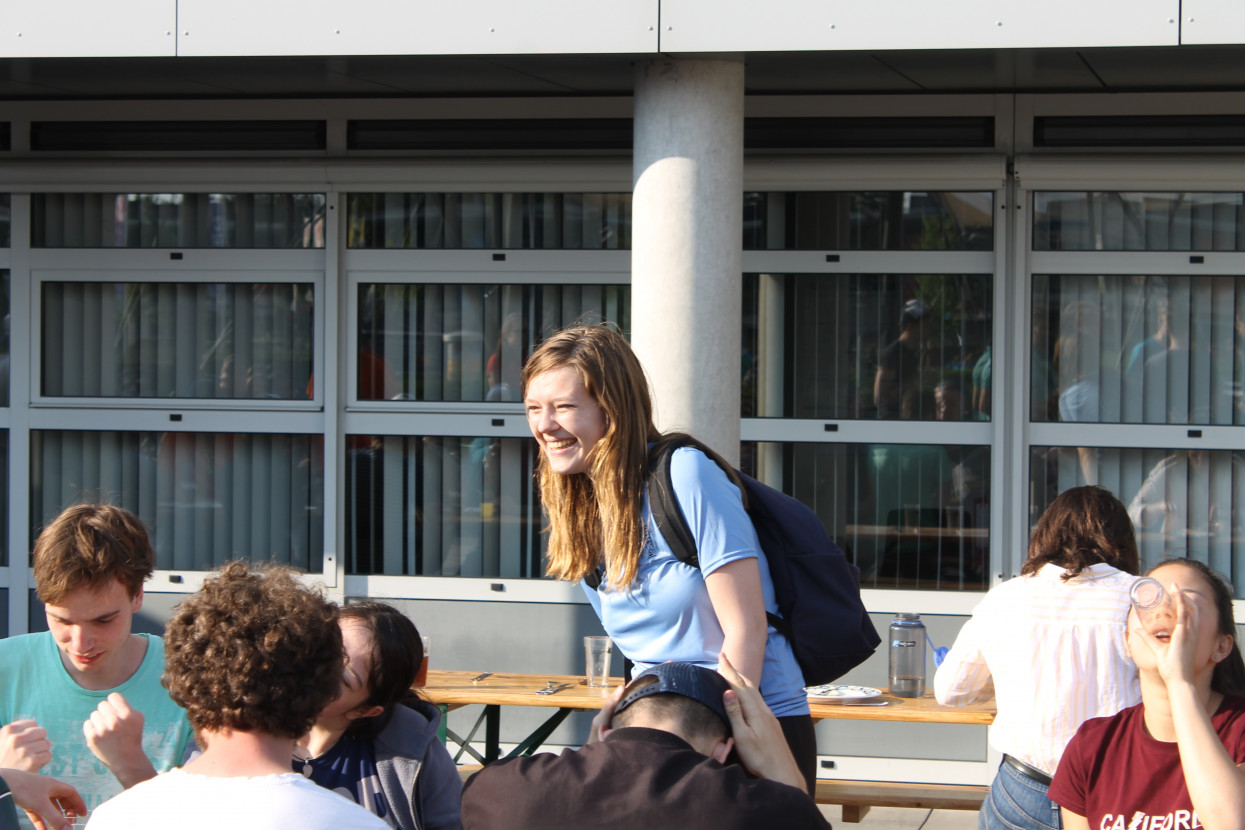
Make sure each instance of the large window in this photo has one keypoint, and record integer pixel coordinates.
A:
(182, 384)
(864, 310)
(438, 460)
(1126, 334)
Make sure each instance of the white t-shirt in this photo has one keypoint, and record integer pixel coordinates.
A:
(199, 802)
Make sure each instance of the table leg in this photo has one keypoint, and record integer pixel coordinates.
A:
(533, 741)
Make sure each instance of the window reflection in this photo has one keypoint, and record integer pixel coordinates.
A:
(1182, 502)
(207, 498)
(177, 220)
(1143, 349)
(908, 515)
(432, 342)
(1138, 221)
(435, 506)
(869, 221)
(576, 221)
(170, 340)
(870, 346)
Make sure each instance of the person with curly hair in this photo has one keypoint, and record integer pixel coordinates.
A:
(253, 657)
(82, 701)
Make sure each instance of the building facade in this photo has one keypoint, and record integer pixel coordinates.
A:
(269, 279)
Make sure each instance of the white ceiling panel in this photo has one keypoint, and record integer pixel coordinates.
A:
(1212, 21)
(744, 25)
(87, 28)
(415, 27)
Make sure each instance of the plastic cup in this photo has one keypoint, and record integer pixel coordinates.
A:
(597, 657)
(421, 679)
(1150, 599)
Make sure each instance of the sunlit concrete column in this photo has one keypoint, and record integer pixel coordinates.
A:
(686, 243)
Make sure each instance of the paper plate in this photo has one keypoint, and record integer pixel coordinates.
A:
(833, 692)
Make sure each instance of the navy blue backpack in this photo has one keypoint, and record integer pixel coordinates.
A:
(818, 590)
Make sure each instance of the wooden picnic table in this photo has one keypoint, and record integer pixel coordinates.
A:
(451, 689)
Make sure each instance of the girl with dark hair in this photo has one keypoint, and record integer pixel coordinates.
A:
(1174, 761)
(377, 742)
(1049, 645)
(588, 406)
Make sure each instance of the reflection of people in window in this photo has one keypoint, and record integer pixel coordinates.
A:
(505, 363)
(900, 361)
(1178, 500)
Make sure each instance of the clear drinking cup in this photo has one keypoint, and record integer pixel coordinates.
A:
(597, 658)
(1150, 599)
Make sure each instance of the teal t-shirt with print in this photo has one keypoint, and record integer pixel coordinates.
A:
(34, 684)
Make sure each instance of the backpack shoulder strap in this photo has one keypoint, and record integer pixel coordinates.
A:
(664, 504)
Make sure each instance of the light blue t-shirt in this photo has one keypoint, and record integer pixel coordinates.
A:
(667, 614)
(34, 684)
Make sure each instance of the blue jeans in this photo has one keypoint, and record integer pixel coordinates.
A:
(1017, 802)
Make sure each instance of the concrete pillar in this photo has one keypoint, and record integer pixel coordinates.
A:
(686, 243)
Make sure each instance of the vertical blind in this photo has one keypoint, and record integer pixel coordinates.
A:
(467, 342)
(437, 506)
(177, 220)
(177, 340)
(206, 498)
(587, 221)
(1142, 349)
(1182, 502)
(1138, 221)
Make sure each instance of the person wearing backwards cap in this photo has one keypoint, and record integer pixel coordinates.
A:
(655, 758)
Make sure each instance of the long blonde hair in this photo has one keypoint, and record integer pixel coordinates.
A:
(594, 517)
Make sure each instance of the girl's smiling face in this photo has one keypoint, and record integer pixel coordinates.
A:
(565, 419)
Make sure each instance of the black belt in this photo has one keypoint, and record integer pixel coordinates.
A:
(1027, 771)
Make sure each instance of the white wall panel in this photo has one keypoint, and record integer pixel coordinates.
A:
(87, 28)
(743, 25)
(1212, 21)
(414, 27)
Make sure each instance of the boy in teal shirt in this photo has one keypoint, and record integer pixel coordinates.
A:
(82, 702)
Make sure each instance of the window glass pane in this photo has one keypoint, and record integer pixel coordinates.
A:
(4, 220)
(1111, 221)
(177, 340)
(908, 515)
(467, 342)
(433, 506)
(912, 347)
(4, 337)
(588, 221)
(869, 221)
(177, 220)
(4, 497)
(206, 498)
(1143, 349)
(1182, 502)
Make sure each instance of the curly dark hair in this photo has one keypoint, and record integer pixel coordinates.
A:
(89, 545)
(1082, 527)
(397, 652)
(253, 650)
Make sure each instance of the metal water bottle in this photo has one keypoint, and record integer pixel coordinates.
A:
(907, 636)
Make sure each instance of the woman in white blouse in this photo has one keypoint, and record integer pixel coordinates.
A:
(1050, 646)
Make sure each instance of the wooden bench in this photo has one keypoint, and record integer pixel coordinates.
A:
(856, 797)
